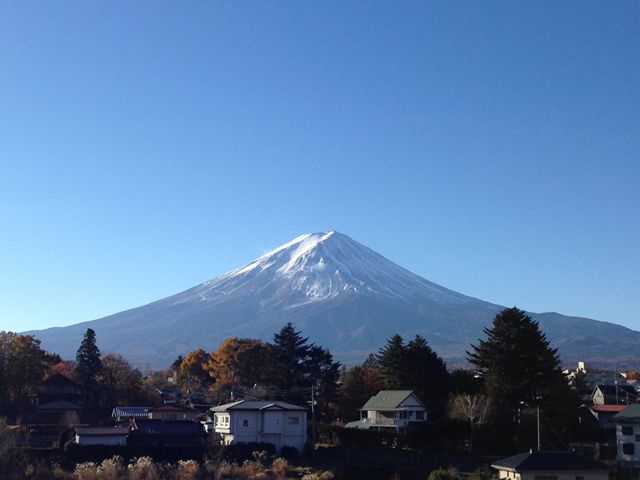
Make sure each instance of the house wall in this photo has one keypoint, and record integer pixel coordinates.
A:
(628, 442)
(565, 475)
(281, 428)
(172, 416)
(85, 440)
(598, 397)
(555, 475)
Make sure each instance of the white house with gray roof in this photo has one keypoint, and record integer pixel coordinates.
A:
(246, 421)
(391, 409)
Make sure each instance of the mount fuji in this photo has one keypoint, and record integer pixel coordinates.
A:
(342, 295)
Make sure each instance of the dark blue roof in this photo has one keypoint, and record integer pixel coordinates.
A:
(162, 427)
(548, 461)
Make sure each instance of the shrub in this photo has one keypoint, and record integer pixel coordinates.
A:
(442, 474)
(280, 467)
(110, 468)
(482, 473)
(143, 468)
(327, 475)
(188, 469)
(85, 471)
(59, 473)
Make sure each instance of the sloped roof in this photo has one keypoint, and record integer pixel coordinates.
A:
(548, 461)
(607, 408)
(59, 380)
(256, 405)
(161, 427)
(623, 390)
(130, 412)
(631, 414)
(101, 431)
(387, 399)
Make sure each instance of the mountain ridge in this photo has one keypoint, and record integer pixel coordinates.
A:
(341, 294)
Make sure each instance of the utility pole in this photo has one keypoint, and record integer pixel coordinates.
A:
(538, 421)
(313, 421)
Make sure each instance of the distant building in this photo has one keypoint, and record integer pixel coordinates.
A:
(160, 433)
(108, 436)
(246, 421)
(124, 414)
(172, 413)
(628, 434)
(391, 409)
(550, 466)
(614, 394)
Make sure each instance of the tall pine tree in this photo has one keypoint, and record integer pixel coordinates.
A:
(88, 367)
(520, 369)
(289, 355)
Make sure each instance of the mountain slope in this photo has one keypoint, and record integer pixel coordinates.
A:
(340, 293)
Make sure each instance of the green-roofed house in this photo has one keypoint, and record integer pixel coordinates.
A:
(628, 434)
(391, 409)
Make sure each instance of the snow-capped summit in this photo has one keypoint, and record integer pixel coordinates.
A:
(317, 267)
(341, 294)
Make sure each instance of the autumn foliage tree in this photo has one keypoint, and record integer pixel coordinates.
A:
(22, 367)
(120, 383)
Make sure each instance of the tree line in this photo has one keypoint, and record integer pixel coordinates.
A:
(514, 371)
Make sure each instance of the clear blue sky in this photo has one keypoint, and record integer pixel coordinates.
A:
(491, 147)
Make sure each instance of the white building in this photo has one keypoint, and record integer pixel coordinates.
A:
(391, 409)
(628, 434)
(246, 421)
(102, 436)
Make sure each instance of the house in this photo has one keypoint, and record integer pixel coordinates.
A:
(160, 433)
(590, 377)
(102, 436)
(246, 421)
(172, 413)
(614, 394)
(124, 414)
(550, 466)
(605, 413)
(57, 388)
(628, 434)
(391, 409)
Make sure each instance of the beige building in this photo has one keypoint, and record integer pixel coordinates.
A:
(550, 466)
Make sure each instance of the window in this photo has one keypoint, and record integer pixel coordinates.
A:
(404, 415)
(293, 420)
(628, 448)
(419, 415)
(245, 423)
(627, 430)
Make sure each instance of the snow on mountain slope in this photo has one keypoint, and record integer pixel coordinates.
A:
(340, 293)
(318, 267)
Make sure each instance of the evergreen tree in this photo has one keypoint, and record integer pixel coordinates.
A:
(289, 356)
(88, 367)
(519, 369)
(392, 361)
(415, 366)
(426, 374)
(353, 393)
